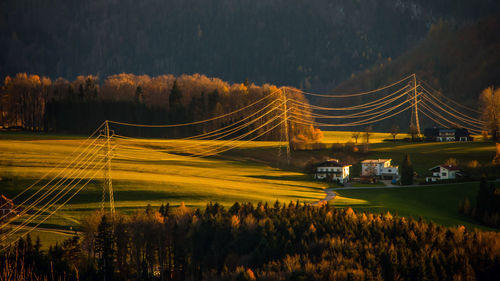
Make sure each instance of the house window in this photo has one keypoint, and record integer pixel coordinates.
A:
(389, 170)
(443, 174)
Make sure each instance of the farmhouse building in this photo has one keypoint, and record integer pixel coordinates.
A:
(440, 134)
(444, 172)
(332, 170)
(379, 168)
(6, 205)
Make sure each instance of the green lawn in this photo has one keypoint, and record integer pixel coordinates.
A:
(160, 179)
(434, 203)
(250, 173)
(428, 154)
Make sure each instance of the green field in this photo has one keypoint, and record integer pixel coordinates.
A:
(250, 173)
(436, 203)
(154, 178)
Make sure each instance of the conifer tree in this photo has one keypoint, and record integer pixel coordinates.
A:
(406, 171)
(105, 247)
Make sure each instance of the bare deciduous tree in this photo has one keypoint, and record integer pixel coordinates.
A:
(368, 133)
(394, 132)
(355, 136)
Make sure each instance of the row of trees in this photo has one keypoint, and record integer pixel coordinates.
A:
(269, 242)
(39, 104)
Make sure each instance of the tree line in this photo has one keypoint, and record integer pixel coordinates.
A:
(266, 242)
(37, 103)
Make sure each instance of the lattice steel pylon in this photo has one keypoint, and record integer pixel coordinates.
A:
(108, 181)
(415, 101)
(285, 124)
(413, 97)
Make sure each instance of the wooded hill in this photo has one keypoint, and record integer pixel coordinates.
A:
(263, 242)
(35, 103)
(457, 60)
(307, 44)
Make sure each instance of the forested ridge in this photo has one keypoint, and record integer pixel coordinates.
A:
(307, 44)
(263, 242)
(458, 60)
(35, 103)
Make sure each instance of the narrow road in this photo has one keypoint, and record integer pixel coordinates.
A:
(329, 196)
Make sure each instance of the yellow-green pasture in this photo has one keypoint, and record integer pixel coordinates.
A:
(438, 203)
(143, 174)
(345, 136)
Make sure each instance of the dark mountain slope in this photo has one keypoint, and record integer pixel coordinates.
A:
(458, 61)
(309, 44)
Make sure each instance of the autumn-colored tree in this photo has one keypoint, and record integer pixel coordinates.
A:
(490, 110)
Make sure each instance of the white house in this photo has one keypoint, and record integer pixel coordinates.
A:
(332, 170)
(443, 172)
(379, 167)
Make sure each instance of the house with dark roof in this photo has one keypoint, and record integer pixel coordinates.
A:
(442, 134)
(444, 172)
(332, 170)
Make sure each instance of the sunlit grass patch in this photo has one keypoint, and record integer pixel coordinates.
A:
(347, 201)
(346, 136)
(155, 178)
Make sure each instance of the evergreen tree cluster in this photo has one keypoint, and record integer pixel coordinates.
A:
(278, 242)
(406, 171)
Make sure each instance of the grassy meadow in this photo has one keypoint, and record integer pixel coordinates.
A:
(144, 174)
(154, 178)
(436, 203)
(346, 136)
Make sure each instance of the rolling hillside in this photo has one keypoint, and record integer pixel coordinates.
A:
(457, 60)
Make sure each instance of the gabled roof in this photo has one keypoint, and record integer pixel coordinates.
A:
(447, 167)
(332, 163)
(375, 161)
